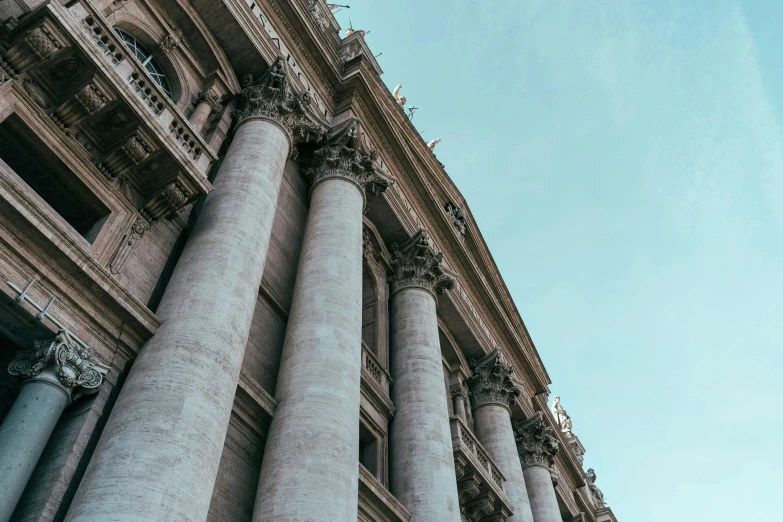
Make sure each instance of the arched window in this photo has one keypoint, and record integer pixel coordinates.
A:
(144, 56)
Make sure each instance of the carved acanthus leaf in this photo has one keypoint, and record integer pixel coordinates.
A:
(271, 97)
(342, 154)
(73, 364)
(536, 442)
(418, 264)
(492, 381)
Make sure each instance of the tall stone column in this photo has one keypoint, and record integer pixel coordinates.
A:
(537, 446)
(310, 469)
(493, 391)
(422, 460)
(56, 371)
(158, 456)
(206, 103)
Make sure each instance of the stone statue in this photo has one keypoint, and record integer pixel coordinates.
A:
(562, 418)
(598, 496)
(400, 99)
(431, 145)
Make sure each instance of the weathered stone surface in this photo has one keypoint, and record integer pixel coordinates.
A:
(313, 444)
(422, 464)
(173, 412)
(537, 447)
(493, 430)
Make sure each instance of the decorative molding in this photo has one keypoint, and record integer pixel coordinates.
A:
(165, 203)
(536, 442)
(140, 227)
(343, 155)
(458, 219)
(492, 381)
(91, 98)
(417, 264)
(74, 365)
(171, 41)
(210, 98)
(42, 43)
(316, 9)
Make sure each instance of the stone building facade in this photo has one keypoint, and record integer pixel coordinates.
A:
(237, 285)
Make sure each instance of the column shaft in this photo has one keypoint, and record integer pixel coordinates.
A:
(200, 115)
(158, 456)
(310, 469)
(422, 461)
(494, 431)
(25, 433)
(543, 500)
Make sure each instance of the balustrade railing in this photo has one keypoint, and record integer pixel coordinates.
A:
(462, 435)
(159, 105)
(373, 366)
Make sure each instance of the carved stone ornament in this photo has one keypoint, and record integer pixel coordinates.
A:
(458, 219)
(140, 227)
(211, 99)
(91, 98)
(536, 442)
(35, 93)
(342, 154)
(458, 392)
(350, 51)
(595, 493)
(171, 41)
(418, 264)
(74, 365)
(271, 97)
(42, 42)
(316, 8)
(492, 381)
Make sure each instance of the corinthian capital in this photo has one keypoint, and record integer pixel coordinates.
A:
(73, 365)
(343, 155)
(271, 97)
(492, 381)
(418, 264)
(536, 442)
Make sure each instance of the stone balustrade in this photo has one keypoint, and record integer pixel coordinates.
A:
(373, 366)
(465, 441)
(163, 109)
(481, 484)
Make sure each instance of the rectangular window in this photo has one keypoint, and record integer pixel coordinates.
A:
(51, 179)
(368, 450)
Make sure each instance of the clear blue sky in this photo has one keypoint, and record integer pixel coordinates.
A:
(624, 160)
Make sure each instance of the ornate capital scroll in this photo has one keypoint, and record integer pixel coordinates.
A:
(74, 365)
(271, 97)
(536, 442)
(418, 264)
(210, 98)
(492, 381)
(343, 154)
